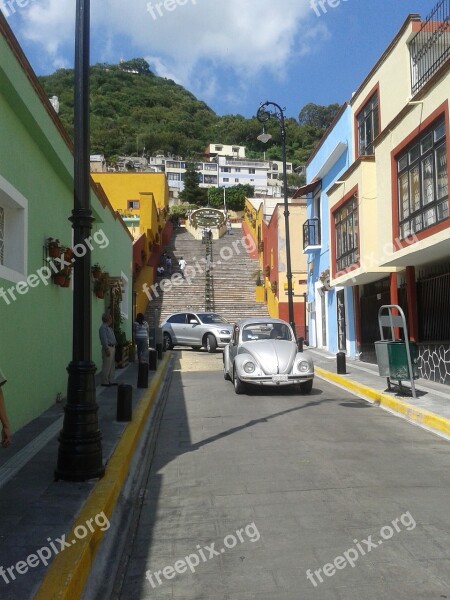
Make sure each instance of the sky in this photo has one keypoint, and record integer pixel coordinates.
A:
(232, 54)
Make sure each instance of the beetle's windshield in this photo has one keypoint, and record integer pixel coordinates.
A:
(266, 331)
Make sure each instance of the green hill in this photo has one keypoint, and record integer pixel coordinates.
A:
(132, 108)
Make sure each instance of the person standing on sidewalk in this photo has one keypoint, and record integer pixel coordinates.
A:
(109, 343)
(141, 334)
(182, 264)
(6, 430)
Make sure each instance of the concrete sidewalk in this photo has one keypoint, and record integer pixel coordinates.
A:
(50, 530)
(430, 410)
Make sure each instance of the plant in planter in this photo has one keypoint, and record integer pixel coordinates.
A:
(54, 247)
(68, 254)
(101, 285)
(256, 275)
(96, 271)
(325, 279)
(123, 345)
(62, 277)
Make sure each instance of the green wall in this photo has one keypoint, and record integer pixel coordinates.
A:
(36, 328)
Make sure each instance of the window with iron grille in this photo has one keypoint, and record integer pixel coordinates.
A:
(423, 182)
(347, 235)
(368, 126)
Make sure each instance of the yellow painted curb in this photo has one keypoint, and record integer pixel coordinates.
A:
(417, 415)
(68, 573)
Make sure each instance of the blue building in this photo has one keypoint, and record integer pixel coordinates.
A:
(330, 309)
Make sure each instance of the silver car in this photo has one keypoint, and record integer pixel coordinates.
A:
(265, 352)
(197, 330)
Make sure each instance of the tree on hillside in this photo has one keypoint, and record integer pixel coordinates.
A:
(235, 196)
(318, 116)
(192, 192)
(136, 64)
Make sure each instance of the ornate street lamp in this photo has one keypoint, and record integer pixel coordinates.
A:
(80, 448)
(266, 111)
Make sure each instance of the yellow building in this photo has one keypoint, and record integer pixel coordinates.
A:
(142, 200)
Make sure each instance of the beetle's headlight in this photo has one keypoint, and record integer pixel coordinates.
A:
(249, 367)
(303, 366)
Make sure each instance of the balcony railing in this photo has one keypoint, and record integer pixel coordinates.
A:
(311, 234)
(430, 47)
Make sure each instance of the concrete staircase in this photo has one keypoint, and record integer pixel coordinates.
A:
(231, 271)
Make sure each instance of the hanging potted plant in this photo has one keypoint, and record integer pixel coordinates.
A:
(96, 271)
(54, 247)
(62, 277)
(68, 255)
(325, 279)
(101, 286)
(66, 282)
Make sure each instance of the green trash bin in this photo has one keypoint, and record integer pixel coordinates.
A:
(398, 360)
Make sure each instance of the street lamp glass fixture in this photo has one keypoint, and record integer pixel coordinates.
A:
(264, 137)
(268, 110)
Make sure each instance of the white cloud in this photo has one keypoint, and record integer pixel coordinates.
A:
(191, 43)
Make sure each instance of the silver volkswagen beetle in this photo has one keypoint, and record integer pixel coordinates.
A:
(265, 352)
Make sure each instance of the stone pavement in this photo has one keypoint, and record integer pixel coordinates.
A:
(38, 513)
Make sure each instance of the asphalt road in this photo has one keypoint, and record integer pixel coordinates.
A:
(278, 496)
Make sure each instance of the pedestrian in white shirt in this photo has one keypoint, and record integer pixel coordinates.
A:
(182, 264)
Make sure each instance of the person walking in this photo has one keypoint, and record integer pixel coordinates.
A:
(141, 335)
(109, 343)
(182, 264)
(6, 429)
(229, 227)
(169, 265)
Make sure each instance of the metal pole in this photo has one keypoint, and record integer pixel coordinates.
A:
(80, 448)
(263, 115)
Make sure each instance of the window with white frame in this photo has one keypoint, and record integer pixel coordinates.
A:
(124, 304)
(368, 126)
(423, 181)
(13, 232)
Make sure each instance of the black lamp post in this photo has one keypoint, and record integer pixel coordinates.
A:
(266, 111)
(80, 448)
